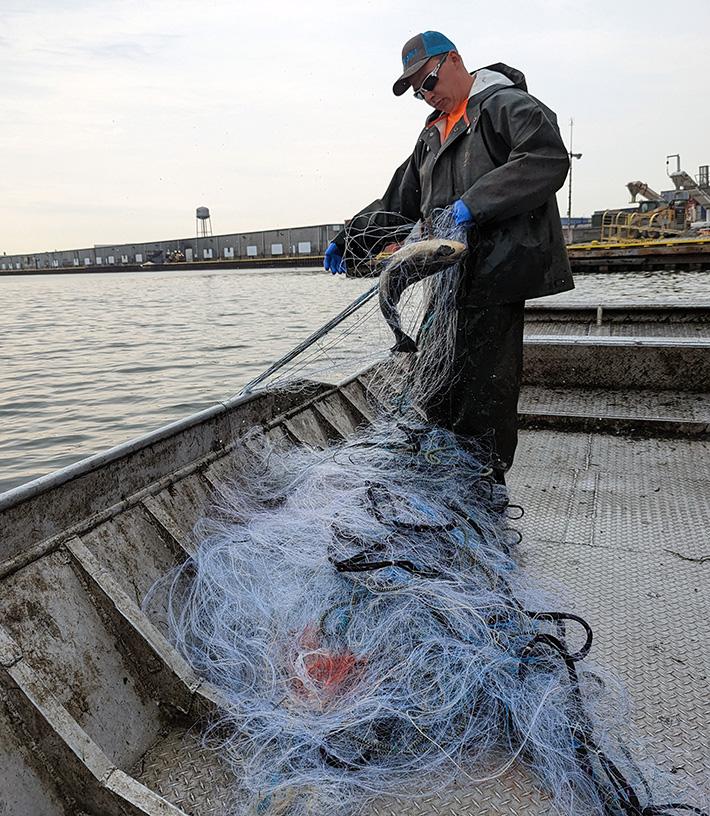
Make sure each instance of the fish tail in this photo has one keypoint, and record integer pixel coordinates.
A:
(404, 344)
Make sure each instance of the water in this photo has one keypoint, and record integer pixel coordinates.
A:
(89, 361)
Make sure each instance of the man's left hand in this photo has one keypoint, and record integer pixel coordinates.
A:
(462, 215)
(333, 260)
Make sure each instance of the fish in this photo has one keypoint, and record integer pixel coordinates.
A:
(408, 265)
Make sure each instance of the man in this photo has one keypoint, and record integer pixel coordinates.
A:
(495, 153)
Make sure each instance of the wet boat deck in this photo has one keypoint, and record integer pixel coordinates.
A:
(616, 527)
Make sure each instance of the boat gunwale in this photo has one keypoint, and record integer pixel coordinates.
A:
(95, 461)
(35, 487)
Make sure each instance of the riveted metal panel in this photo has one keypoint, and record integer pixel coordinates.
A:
(25, 787)
(134, 549)
(180, 505)
(63, 638)
(339, 413)
(309, 429)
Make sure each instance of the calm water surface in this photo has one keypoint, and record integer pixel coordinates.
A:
(89, 361)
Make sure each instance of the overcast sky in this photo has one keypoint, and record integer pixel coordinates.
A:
(120, 117)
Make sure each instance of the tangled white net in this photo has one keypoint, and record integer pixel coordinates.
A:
(359, 337)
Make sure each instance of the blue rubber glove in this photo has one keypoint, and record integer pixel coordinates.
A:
(462, 215)
(333, 261)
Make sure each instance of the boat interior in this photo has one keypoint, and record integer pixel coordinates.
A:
(100, 716)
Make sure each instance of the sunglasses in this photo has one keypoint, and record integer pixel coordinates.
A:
(430, 80)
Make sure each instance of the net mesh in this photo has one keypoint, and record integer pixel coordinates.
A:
(363, 338)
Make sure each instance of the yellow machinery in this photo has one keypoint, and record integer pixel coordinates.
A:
(659, 222)
(662, 215)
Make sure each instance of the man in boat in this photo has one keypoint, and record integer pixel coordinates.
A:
(495, 153)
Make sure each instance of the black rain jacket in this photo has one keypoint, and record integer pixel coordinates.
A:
(506, 160)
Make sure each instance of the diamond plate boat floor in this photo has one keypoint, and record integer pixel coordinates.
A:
(617, 528)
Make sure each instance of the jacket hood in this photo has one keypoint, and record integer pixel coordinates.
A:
(515, 76)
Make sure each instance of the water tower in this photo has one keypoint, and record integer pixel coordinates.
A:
(203, 222)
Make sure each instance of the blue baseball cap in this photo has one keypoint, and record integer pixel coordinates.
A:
(416, 52)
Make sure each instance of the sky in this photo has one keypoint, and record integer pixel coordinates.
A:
(118, 117)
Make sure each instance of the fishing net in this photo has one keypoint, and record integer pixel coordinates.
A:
(359, 338)
(363, 615)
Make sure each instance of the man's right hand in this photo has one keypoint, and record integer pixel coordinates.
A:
(333, 260)
(462, 215)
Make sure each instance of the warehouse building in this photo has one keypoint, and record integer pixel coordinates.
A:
(295, 242)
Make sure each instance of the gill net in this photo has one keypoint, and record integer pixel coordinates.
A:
(360, 613)
(359, 338)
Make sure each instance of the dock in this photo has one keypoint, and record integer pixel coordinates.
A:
(231, 264)
(677, 254)
(691, 255)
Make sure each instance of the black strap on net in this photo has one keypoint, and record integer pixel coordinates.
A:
(507, 546)
(366, 560)
(378, 496)
(615, 791)
(559, 619)
(518, 507)
(360, 563)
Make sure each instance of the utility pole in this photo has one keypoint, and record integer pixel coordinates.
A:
(572, 156)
